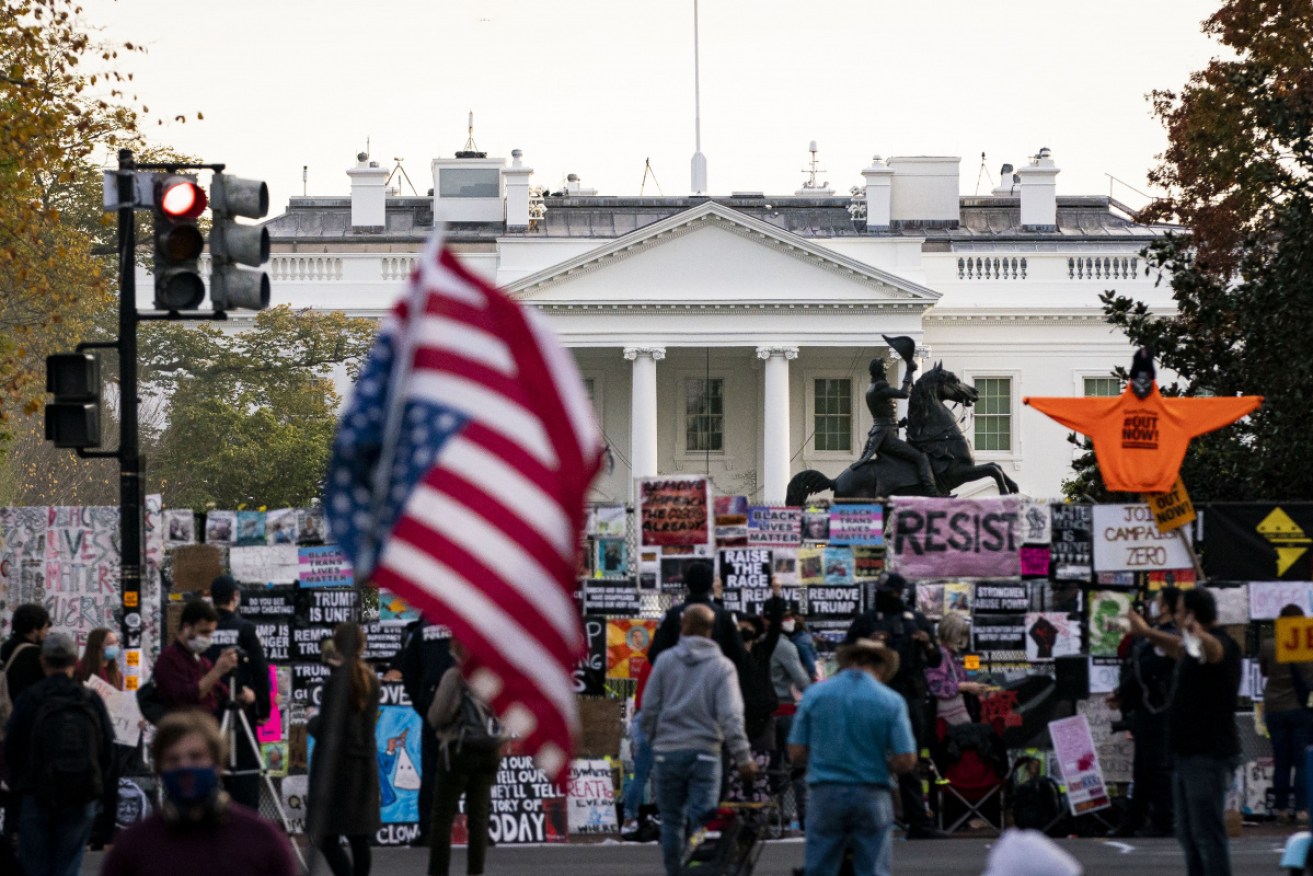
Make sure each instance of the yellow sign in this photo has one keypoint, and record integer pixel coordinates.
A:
(1172, 509)
(971, 662)
(134, 656)
(131, 683)
(1294, 639)
(130, 599)
(1286, 536)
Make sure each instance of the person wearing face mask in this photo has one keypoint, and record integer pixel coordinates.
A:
(184, 677)
(100, 659)
(912, 638)
(795, 628)
(1144, 689)
(760, 638)
(199, 829)
(252, 677)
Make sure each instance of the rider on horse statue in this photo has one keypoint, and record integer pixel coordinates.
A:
(883, 437)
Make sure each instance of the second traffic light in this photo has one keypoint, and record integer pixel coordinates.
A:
(176, 205)
(233, 244)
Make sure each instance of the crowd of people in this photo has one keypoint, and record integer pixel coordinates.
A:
(729, 705)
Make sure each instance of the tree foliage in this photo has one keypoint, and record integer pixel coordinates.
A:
(1239, 170)
(248, 415)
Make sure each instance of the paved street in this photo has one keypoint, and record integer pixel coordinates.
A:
(960, 857)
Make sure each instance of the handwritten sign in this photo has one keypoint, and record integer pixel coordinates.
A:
(324, 566)
(972, 538)
(674, 510)
(1127, 539)
(1267, 598)
(123, 712)
(1073, 542)
(1078, 763)
(264, 564)
(1172, 509)
(590, 797)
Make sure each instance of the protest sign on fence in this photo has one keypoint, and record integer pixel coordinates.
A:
(854, 524)
(1078, 762)
(942, 538)
(674, 510)
(324, 566)
(611, 598)
(526, 806)
(1126, 539)
(1072, 546)
(770, 525)
(590, 797)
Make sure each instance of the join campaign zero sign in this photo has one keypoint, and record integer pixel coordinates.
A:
(1126, 539)
(943, 538)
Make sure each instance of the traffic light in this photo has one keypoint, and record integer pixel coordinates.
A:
(177, 204)
(232, 244)
(73, 418)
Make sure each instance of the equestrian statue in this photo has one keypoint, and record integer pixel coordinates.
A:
(933, 460)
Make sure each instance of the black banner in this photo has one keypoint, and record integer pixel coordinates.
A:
(383, 641)
(611, 598)
(998, 632)
(1259, 542)
(331, 606)
(590, 672)
(1073, 542)
(308, 642)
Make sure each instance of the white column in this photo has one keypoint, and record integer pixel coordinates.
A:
(643, 410)
(775, 423)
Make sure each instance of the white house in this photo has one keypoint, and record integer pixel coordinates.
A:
(731, 334)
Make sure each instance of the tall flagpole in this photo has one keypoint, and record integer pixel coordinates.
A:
(699, 163)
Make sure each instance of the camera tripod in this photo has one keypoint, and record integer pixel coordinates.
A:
(229, 728)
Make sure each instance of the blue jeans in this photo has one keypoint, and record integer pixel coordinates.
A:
(1199, 787)
(1292, 732)
(857, 817)
(634, 791)
(687, 789)
(51, 841)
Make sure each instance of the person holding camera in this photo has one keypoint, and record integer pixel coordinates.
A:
(184, 677)
(252, 688)
(1144, 690)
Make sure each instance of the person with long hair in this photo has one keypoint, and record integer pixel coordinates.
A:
(344, 791)
(948, 681)
(100, 658)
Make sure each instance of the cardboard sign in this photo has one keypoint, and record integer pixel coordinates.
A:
(971, 538)
(123, 712)
(1127, 539)
(194, 567)
(590, 797)
(674, 510)
(1294, 639)
(1078, 763)
(1173, 509)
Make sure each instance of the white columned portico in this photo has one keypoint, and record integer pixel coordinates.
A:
(643, 410)
(775, 422)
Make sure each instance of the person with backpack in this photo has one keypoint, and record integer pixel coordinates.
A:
(469, 752)
(344, 783)
(58, 744)
(20, 668)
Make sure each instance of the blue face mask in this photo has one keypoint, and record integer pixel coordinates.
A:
(112, 652)
(187, 786)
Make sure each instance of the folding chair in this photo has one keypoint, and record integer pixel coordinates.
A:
(970, 771)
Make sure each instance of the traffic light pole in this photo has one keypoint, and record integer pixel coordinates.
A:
(131, 465)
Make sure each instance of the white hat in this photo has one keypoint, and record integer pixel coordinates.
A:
(1029, 853)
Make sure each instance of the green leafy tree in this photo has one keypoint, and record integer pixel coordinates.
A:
(1239, 172)
(246, 416)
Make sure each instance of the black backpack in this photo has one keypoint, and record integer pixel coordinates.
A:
(475, 727)
(67, 738)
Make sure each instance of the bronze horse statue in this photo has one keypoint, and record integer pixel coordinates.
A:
(931, 428)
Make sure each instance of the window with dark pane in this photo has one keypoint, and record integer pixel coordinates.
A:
(1103, 386)
(832, 423)
(993, 420)
(704, 414)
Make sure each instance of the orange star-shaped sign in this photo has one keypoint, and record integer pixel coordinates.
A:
(1140, 442)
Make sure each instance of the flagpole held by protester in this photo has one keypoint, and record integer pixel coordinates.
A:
(459, 475)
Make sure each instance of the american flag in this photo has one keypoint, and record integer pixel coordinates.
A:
(458, 480)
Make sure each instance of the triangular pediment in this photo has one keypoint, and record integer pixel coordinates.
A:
(712, 253)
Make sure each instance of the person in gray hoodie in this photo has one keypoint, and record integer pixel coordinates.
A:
(691, 707)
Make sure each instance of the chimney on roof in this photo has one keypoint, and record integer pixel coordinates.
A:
(879, 186)
(1007, 182)
(1039, 193)
(368, 194)
(516, 180)
(574, 187)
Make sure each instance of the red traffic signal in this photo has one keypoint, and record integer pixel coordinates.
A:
(182, 199)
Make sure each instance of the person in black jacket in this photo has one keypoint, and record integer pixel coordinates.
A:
(252, 673)
(699, 578)
(21, 653)
(58, 809)
(758, 688)
(907, 632)
(425, 657)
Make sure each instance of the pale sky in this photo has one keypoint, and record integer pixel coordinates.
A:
(595, 87)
